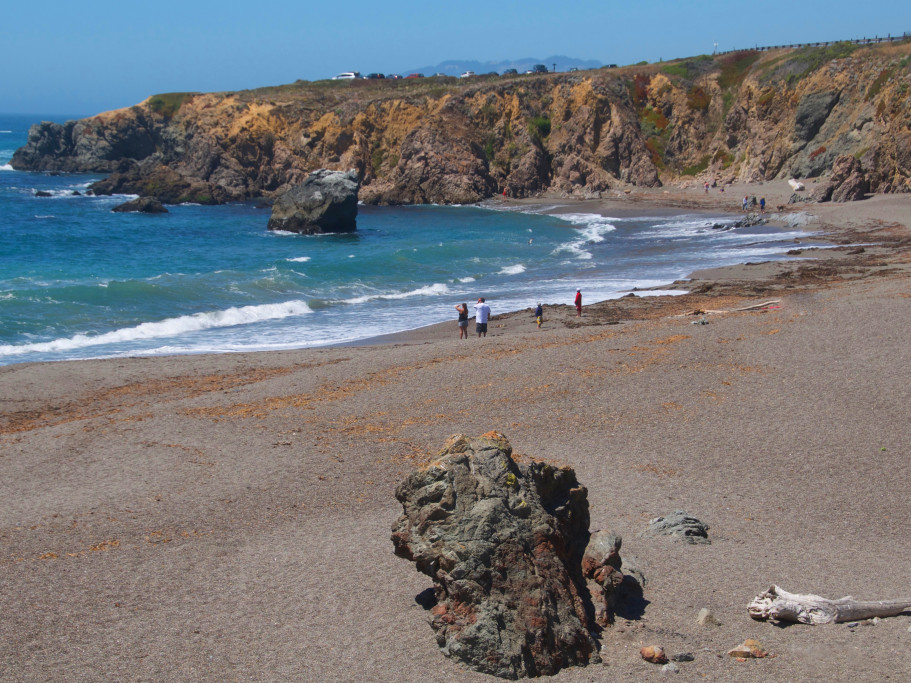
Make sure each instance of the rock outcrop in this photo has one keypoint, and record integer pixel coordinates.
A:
(325, 202)
(504, 545)
(141, 205)
(848, 183)
(744, 116)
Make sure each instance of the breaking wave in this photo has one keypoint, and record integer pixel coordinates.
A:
(169, 327)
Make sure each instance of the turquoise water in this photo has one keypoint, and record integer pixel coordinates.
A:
(78, 281)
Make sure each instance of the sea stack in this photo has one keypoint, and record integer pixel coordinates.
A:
(325, 202)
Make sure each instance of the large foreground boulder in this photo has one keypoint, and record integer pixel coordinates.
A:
(504, 544)
(325, 202)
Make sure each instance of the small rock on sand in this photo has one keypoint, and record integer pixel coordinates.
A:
(706, 618)
(654, 654)
(681, 525)
(749, 649)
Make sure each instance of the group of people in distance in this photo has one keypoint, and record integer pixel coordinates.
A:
(482, 315)
(749, 202)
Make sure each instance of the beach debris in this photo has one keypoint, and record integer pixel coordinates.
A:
(706, 618)
(325, 202)
(670, 668)
(796, 185)
(748, 649)
(682, 525)
(778, 604)
(683, 657)
(504, 544)
(771, 304)
(654, 654)
(701, 321)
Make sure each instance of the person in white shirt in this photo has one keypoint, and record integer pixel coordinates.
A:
(481, 316)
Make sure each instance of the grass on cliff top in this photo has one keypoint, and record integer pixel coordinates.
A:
(690, 69)
(167, 104)
(735, 66)
(794, 66)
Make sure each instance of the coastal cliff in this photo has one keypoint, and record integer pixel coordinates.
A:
(751, 115)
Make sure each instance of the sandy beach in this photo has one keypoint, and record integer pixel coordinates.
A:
(220, 518)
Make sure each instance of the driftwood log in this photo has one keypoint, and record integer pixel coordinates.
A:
(780, 605)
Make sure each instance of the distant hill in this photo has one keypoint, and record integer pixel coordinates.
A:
(454, 67)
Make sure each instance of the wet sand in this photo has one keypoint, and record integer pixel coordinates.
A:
(228, 517)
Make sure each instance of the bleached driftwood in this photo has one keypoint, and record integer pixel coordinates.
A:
(780, 605)
(751, 307)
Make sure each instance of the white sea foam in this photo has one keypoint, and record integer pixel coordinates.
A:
(299, 259)
(430, 290)
(513, 270)
(531, 210)
(682, 227)
(5, 167)
(169, 327)
(466, 279)
(592, 229)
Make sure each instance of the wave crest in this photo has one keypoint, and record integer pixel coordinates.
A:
(169, 327)
(429, 290)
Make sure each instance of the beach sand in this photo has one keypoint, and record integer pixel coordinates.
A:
(219, 518)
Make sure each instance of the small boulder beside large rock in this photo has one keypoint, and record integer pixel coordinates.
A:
(679, 524)
(325, 202)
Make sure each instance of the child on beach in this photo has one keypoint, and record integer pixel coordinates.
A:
(539, 314)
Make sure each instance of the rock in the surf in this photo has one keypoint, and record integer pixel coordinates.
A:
(503, 543)
(141, 205)
(325, 202)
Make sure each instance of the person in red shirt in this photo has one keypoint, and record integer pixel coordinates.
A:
(578, 303)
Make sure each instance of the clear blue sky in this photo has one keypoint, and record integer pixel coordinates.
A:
(84, 57)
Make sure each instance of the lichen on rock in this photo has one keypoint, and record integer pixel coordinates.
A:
(504, 545)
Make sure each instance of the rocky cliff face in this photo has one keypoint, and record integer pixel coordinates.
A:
(748, 115)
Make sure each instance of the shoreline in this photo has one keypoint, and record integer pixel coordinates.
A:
(661, 202)
(215, 516)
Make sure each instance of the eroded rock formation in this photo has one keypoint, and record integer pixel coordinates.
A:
(847, 183)
(504, 544)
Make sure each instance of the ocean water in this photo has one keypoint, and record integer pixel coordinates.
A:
(78, 281)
